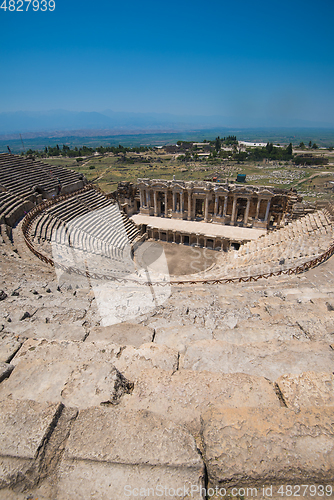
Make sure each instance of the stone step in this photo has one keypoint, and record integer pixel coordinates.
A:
(81, 374)
(253, 447)
(267, 359)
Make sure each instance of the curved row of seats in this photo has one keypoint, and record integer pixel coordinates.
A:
(298, 242)
(87, 221)
(12, 208)
(20, 175)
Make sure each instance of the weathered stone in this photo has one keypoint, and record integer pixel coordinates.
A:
(110, 449)
(122, 334)
(52, 331)
(5, 370)
(256, 446)
(267, 359)
(133, 361)
(80, 374)
(179, 336)
(9, 345)
(24, 429)
(259, 331)
(307, 389)
(185, 395)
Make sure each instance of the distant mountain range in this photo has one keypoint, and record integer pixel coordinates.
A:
(57, 123)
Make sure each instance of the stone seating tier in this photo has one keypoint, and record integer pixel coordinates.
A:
(20, 175)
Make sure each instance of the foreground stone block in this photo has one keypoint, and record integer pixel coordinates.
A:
(111, 452)
(133, 361)
(307, 389)
(258, 332)
(122, 334)
(256, 446)
(9, 345)
(179, 336)
(184, 395)
(25, 427)
(267, 359)
(80, 374)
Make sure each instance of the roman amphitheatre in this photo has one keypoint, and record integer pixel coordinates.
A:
(171, 339)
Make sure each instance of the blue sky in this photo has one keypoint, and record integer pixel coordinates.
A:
(261, 62)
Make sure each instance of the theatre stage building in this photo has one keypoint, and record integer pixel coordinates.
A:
(234, 205)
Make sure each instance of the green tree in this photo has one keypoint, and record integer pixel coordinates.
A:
(314, 146)
(218, 144)
(302, 145)
(289, 149)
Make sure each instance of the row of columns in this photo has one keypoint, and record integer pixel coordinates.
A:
(219, 210)
(223, 243)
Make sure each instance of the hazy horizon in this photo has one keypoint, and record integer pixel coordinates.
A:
(254, 64)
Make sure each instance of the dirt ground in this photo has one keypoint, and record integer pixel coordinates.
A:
(181, 259)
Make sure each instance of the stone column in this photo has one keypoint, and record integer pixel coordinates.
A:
(155, 203)
(206, 209)
(141, 197)
(166, 208)
(247, 211)
(181, 238)
(225, 206)
(174, 201)
(181, 203)
(148, 198)
(267, 211)
(216, 205)
(189, 206)
(197, 238)
(234, 211)
(174, 235)
(258, 209)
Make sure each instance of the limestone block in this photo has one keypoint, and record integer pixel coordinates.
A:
(132, 361)
(9, 345)
(54, 331)
(81, 374)
(5, 370)
(179, 336)
(111, 449)
(24, 428)
(256, 446)
(184, 395)
(75, 373)
(122, 334)
(267, 359)
(307, 389)
(259, 331)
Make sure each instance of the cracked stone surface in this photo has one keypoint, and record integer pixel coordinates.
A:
(256, 445)
(307, 389)
(111, 448)
(122, 334)
(80, 374)
(24, 427)
(184, 395)
(5, 370)
(268, 359)
(9, 345)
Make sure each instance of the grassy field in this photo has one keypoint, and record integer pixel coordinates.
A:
(106, 171)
